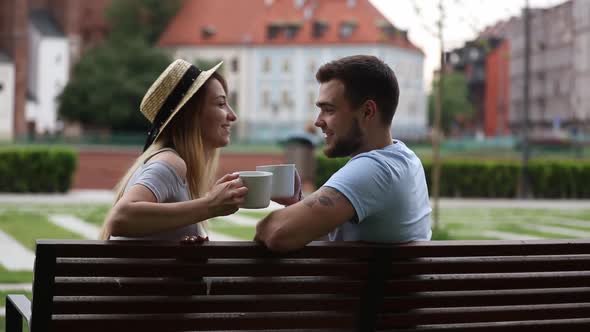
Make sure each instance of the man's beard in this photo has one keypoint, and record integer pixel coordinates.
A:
(348, 144)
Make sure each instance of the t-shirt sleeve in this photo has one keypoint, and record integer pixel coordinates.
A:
(365, 182)
(159, 178)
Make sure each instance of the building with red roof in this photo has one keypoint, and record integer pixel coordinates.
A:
(272, 49)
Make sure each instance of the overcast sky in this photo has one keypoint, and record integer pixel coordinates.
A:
(463, 19)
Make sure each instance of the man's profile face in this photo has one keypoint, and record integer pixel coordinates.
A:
(338, 121)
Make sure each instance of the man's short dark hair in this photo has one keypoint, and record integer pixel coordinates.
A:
(364, 77)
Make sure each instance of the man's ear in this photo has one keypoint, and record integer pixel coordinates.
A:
(369, 109)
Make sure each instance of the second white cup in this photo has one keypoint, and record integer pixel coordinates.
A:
(259, 186)
(283, 179)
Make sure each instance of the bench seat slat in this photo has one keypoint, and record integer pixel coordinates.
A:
(128, 286)
(319, 249)
(426, 283)
(318, 319)
(175, 268)
(308, 302)
(484, 314)
(554, 325)
(208, 321)
(286, 267)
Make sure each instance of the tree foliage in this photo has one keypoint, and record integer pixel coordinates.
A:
(109, 81)
(108, 84)
(456, 107)
(144, 19)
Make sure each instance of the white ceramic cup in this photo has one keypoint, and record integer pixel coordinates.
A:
(259, 186)
(283, 179)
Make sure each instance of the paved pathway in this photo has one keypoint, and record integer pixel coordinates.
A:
(91, 231)
(508, 236)
(557, 230)
(106, 197)
(15, 287)
(15, 257)
(75, 225)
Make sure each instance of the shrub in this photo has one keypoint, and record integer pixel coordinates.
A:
(36, 169)
(495, 179)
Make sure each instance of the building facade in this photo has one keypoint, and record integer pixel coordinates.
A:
(559, 63)
(49, 63)
(39, 56)
(270, 59)
(581, 97)
(6, 97)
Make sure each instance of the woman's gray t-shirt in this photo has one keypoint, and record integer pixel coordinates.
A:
(168, 187)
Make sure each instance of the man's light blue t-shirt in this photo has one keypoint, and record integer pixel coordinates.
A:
(388, 191)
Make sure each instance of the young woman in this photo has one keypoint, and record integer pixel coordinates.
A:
(170, 189)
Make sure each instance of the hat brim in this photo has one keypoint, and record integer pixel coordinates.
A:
(201, 79)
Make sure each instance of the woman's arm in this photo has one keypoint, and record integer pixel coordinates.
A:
(138, 213)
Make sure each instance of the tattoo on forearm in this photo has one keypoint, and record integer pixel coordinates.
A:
(326, 197)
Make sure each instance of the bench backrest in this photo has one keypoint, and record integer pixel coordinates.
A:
(240, 286)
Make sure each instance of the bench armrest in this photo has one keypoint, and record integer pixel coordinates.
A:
(17, 308)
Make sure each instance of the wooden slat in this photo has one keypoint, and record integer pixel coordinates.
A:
(489, 281)
(128, 286)
(174, 268)
(486, 298)
(284, 285)
(208, 321)
(202, 304)
(76, 248)
(493, 264)
(484, 314)
(308, 302)
(320, 285)
(556, 325)
(286, 267)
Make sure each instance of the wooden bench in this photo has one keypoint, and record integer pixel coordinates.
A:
(240, 286)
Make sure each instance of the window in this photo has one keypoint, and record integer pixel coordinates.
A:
(266, 66)
(265, 99)
(319, 28)
(286, 66)
(272, 31)
(207, 32)
(286, 98)
(234, 65)
(291, 31)
(346, 29)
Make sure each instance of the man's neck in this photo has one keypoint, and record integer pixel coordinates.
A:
(379, 140)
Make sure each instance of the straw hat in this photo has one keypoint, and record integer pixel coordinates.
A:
(173, 88)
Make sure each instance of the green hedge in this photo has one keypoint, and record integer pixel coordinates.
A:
(496, 179)
(36, 169)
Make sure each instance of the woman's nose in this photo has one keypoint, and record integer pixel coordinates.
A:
(231, 115)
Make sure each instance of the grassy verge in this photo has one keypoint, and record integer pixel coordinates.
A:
(11, 277)
(223, 227)
(254, 214)
(27, 226)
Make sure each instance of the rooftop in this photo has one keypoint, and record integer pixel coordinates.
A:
(282, 22)
(45, 23)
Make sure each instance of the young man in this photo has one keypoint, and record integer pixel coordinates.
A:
(380, 195)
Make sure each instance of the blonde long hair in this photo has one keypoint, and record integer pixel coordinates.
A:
(183, 134)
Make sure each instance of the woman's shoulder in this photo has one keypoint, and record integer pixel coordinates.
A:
(172, 159)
